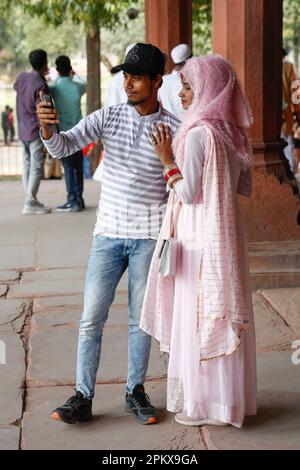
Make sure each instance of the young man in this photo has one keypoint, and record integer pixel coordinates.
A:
(67, 91)
(133, 200)
(28, 87)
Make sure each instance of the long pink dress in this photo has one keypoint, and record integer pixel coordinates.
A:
(223, 388)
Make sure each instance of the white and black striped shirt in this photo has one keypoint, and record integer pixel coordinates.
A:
(133, 196)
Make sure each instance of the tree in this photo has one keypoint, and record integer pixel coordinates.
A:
(202, 21)
(93, 14)
(21, 33)
(291, 27)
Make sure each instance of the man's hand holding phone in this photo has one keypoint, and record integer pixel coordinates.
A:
(47, 115)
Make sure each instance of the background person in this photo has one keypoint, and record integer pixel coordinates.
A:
(28, 86)
(67, 91)
(168, 94)
(5, 124)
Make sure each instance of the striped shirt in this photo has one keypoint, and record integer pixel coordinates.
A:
(133, 196)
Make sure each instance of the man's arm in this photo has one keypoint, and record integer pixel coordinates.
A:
(63, 144)
(80, 83)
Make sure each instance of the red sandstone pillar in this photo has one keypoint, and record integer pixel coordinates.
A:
(168, 23)
(249, 34)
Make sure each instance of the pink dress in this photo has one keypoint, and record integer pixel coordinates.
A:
(222, 388)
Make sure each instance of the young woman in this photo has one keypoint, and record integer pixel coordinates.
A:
(203, 315)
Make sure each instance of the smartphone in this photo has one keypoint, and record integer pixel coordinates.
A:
(48, 99)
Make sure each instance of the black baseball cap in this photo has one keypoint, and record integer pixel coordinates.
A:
(143, 59)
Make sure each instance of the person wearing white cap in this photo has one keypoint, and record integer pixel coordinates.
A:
(115, 91)
(168, 93)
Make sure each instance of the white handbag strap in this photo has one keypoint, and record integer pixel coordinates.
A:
(175, 209)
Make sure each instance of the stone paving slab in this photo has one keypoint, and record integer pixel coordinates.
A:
(118, 316)
(66, 250)
(58, 302)
(17, 256)
(12, 235)
(62, 274)
(53, 275)
(276, 427)
(276, 371)
(275, 263)
(9, 437)
(275, 280)
(273, 247)
(11, 378)
(52, 359)
(9, 276)
(272, 333)
(277, 423)
(3, 289)
(54, 282)
(110, 429)
(46, 288)
(287, 302)
(12, 311)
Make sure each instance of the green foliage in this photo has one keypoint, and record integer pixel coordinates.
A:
(291, 27)
(291, 21)
(202, 26)
(21, 33)
(128, 32)
(96, 13)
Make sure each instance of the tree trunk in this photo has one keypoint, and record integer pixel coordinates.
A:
(93, 69)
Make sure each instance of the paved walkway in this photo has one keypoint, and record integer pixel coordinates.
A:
(42, 267)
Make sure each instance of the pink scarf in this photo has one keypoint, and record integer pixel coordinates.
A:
(219, 103)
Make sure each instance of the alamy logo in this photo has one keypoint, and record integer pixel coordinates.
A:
(2, 352)
(296, 93)
(296, 354)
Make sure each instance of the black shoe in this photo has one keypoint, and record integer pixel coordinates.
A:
(77, 408)
(138, 403)
(68, 207)
(81, 204)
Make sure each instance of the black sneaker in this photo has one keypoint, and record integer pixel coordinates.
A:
(68, 207)
(77, 408)
(138, 403)
(81, 204)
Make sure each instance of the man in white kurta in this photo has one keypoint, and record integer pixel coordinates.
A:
(168, 93)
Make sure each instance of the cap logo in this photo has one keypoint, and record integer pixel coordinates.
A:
(132, 55)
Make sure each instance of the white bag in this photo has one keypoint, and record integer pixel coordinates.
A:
(168, 252)
(168, 257)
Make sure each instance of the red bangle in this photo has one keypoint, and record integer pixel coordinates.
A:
(171, 173)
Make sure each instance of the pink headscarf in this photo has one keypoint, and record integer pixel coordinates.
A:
(219, 103)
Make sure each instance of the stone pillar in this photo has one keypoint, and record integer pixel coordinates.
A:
(249, 34)
(168, 23)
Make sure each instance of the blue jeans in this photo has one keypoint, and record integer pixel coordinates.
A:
(109, 259)
(73, 168)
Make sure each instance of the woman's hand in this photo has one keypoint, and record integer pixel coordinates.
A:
(162, 141)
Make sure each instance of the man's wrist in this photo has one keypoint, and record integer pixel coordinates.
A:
(46, 133)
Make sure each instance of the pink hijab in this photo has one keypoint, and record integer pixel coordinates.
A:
(218, 103)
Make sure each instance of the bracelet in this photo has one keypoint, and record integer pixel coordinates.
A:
(173, 179)
(168, 175)
(172, 166)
